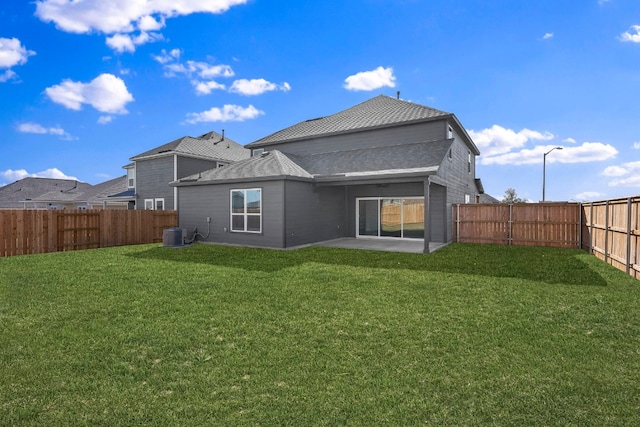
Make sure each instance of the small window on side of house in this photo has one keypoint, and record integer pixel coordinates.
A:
(467, 199)
(450, 153)
(469, 163)
(449, 132)
(159, 204)
(148, 204)
(257, 152)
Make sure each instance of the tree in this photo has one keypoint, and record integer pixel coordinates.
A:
(510, 196)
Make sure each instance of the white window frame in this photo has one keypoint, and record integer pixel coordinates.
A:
(131, 178)
(149, 204)
(257, 152)
(244, 214)
(155, 204)
(449, 132)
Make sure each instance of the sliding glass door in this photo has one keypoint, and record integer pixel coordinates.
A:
(390, 217)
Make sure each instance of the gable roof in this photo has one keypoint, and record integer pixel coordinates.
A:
(377, 112)
(211, 145)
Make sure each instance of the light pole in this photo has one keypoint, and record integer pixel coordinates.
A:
(544, 168)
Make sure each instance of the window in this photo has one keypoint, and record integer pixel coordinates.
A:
(467, 199)
(246, 210)
(131, 178)
(159, 204)
(257, 152)
(148, 204)
(469, 163)
(449, 132)
(450, 154)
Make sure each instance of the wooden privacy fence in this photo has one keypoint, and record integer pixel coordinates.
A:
(611, 231)
(608, 229)
(525, 224)
(38, 231)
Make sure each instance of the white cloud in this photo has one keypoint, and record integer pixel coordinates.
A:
(106, 93)
(588, 195)
(587, 152)
(205, 88)
(257, 86)
(569, 140)
(631, 35)
(228, 113)
(122, 16)
(166, 57)
(36, 128)
(630, 171)
(103, 120)
(547, 36)
(10, 175)
(12, 53)
(200, 69)
(498, 140)
(636, 145)
(371, 80)
(126, 43)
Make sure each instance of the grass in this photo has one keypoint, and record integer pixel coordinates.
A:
(206, 335)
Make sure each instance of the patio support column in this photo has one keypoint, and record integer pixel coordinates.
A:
(427, 217)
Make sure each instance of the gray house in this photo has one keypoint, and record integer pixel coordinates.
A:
(151, 172)
(383, 169)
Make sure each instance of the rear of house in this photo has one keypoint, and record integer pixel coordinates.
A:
(383, 169)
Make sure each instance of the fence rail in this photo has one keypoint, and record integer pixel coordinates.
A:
(39, 231)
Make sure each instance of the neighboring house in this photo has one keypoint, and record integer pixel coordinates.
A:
(42, 193)
(47, 193)
(151, 172)
(384, 169)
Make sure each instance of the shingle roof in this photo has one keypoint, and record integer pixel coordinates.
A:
(396, 157)
(270, 164)
(424, 157)
(12, 195)
(210, 145)
(376, 112)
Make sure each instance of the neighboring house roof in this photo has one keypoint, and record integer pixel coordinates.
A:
(380, 111)
(211, 145)
(99, 192)
(13, 195)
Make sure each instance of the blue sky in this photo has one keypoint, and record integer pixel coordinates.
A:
(87, 84)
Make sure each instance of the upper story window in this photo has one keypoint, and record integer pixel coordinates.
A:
(257, 152)
(131, 177)
(449, 132)
(246, 210)
(469, 163)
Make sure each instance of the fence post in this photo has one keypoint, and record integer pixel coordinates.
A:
(628, 257)
(458, 223)
(591, 229)
(606, 232)
(510, 232)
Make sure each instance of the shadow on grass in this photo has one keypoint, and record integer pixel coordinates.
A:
(548, 265)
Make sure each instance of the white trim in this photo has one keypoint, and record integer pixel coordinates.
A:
(155, 204)
(245, 214)
(149, 201)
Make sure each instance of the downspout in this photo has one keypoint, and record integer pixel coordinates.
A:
(175, 178)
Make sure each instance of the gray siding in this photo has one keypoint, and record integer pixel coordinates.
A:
(190, 166)
(438, 213)
(430, 131)
(313, 214)
(196, 203)
(152, 181)
(460, 181)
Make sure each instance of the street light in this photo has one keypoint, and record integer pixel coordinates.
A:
(544, 168)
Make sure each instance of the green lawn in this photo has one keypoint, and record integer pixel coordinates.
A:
(207, 335)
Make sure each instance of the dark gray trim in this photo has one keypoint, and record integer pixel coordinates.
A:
(427, 215)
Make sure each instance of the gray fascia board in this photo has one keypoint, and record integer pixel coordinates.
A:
(372, 179)
(467, 138)
(178, 153)
(345, 132)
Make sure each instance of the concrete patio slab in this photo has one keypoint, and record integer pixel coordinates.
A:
(388, 245)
